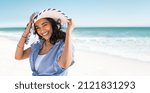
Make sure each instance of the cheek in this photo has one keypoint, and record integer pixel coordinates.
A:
(38, 33)
(50, 29)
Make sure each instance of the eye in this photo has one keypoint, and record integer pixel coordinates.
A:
(37, 28)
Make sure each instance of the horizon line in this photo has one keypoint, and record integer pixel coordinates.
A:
(75, 27)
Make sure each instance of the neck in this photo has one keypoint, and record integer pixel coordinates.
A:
(47, 43)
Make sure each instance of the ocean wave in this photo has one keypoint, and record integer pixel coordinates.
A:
(136, 48)
(130, 47)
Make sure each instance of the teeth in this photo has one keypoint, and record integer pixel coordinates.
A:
(45, 33)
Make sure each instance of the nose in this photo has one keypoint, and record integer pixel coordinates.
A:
(42, 29)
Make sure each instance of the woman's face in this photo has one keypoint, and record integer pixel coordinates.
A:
(44, 28)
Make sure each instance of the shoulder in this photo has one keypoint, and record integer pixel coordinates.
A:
(60, 43)
(36, 44)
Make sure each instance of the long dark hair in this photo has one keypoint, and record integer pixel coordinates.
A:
(57, 33)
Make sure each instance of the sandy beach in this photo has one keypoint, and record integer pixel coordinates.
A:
(87, 63)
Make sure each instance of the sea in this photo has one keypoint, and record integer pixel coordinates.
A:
(127, 42)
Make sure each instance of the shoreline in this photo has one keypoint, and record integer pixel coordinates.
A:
(86, 63)
(113, 55)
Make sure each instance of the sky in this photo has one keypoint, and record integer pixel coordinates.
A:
(84, 12)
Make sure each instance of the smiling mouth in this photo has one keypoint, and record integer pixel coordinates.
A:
(44, 34)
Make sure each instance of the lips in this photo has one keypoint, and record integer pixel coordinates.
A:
(44, 34)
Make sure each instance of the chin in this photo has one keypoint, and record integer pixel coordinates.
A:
(46, 38)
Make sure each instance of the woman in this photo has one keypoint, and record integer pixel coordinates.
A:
(53, 54)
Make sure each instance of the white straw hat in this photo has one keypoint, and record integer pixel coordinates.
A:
(57, 15)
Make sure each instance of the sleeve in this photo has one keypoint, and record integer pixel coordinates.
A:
(35, 45)
(60, 53)
(32, 46)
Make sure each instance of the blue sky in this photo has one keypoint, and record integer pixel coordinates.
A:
(84, 12)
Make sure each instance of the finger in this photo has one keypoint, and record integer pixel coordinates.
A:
(34, 14)
(69, 20)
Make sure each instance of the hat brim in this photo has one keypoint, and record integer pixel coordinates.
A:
(51, 13)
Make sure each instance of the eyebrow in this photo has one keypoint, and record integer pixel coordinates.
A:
(42, 24)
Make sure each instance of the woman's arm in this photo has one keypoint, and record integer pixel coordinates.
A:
(20, 52)
(66, 57)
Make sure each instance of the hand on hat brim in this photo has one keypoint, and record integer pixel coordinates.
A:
(70, 26)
